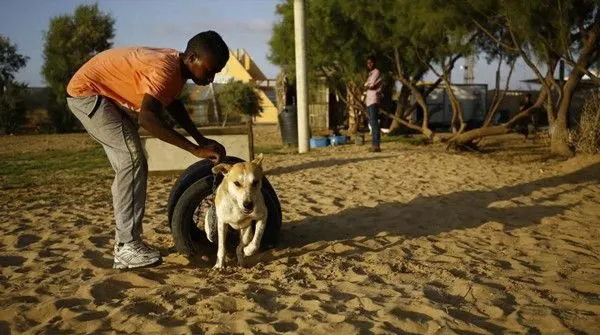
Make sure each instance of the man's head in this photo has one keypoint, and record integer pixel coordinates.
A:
(206, 55)
(371, 63)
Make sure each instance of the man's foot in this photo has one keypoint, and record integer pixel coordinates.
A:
(135, 254)
(374, 149)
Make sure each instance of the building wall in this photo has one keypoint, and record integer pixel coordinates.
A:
(269, 114)
(233, 70)
(241, 67)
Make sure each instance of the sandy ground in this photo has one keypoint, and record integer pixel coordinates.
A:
(412, 240)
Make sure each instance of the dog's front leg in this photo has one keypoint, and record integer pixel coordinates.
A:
(222, 233)
(252, 248)
(245, 237)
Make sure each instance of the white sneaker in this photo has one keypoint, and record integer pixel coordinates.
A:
(135, 254)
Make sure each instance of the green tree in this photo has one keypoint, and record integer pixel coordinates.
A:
(12, 93)
(546, 32)
(70, 41)
(409, 37)
(336, 46)
(238, 98)
(13, 108)
(420, 36)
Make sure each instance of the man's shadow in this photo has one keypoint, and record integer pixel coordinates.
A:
(432, 215)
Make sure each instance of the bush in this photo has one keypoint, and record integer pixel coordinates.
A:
(12, 108)
(586, 137)
(238, 98)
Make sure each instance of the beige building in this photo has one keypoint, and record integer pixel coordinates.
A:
(240, 67)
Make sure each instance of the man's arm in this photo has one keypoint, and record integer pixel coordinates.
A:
(374, 80)
(369, 81)
(180, 114)
(149, 119)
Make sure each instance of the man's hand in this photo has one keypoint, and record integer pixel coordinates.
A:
(206, 148)
(210, 149)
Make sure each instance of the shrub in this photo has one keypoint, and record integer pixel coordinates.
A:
(586, 137)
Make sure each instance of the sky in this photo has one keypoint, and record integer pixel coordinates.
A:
(170, 23)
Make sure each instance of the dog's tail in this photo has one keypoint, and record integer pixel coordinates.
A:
(210, 224)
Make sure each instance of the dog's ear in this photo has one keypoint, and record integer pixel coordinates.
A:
(221, 168)
(258, 160)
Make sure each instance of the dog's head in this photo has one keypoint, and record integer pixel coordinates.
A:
(243, 182)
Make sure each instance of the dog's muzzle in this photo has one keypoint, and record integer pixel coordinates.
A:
(248, 207)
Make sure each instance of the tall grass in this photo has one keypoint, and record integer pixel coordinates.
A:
(586, 137)
(54, 166)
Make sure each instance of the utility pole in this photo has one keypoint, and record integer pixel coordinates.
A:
(301, 80)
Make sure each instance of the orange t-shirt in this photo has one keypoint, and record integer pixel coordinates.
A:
(124, 75)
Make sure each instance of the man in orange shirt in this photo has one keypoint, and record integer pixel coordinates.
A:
(123, 88)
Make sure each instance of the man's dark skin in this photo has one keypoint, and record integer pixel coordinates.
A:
(202, 72)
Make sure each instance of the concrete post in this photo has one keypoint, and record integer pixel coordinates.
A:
(301, 80)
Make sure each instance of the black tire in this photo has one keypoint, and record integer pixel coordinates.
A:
(200, 170)
(191, 188)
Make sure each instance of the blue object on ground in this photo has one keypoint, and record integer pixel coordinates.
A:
(337, 140)
(319, 142)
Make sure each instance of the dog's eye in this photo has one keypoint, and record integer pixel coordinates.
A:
(237, 183)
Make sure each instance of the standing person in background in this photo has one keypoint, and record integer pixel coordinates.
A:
(372, 100)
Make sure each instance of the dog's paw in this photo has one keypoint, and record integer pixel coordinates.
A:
(241, 262)
(250, 250)
(219, 266)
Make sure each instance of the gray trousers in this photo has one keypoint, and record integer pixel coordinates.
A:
(117, 132)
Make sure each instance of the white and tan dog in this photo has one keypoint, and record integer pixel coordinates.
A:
(239, 202)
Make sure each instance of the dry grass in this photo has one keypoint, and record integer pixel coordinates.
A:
(587, 135)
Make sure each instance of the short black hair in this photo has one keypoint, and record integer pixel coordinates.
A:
(209, 42)
(372, 58)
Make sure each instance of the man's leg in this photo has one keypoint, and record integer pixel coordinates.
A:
(108, 125)
(374, 122)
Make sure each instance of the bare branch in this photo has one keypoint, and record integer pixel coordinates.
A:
(497, 100)
(527, 60)
(583, 70)
(399, 120)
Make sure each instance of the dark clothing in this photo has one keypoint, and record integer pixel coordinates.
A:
(526, 126)
(373, 112)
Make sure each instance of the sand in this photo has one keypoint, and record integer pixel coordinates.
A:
(411, 240)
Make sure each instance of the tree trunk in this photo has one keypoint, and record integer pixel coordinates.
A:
(215, 102)
(250, 138)
(498, 96)
(467, 137)
(403, 122)
(402, 104)
(418, 97)
(402, 111)
(559, 140)
(225, 120)
(426, 93)
(423, 104)
(456, 109)
(353, 111)
(559, 143)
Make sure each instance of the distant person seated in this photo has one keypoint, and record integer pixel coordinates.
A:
(526, 126)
